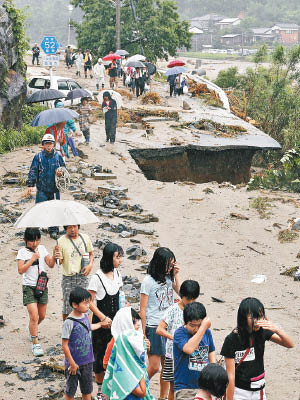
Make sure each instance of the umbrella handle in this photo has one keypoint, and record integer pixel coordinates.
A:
(57, 260)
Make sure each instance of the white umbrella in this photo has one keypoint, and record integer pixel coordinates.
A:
(114, 95)
(137, 57)
(56, 213)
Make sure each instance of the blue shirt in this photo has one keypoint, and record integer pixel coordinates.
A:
(187, 367)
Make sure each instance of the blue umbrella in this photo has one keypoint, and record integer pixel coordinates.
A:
(54, 116)
(175, 71)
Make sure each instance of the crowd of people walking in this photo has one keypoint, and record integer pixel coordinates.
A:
(175, 337)
(102, 334)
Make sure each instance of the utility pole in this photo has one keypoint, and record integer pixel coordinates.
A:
(118, 24)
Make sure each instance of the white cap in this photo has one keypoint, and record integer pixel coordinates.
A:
(99, 59)
(48, 138)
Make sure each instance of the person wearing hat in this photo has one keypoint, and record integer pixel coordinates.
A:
(42, 174)
(99, 71)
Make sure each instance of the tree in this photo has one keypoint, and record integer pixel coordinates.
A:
(157, 27)
(270, 95)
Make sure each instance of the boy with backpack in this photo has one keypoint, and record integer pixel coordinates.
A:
(193, 349)
(77, 345)
(173, 319)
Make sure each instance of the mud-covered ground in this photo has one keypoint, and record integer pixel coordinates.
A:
(220, 251)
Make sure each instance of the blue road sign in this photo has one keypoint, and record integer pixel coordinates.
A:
(49, 45)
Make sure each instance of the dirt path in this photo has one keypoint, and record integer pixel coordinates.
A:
(221, 252)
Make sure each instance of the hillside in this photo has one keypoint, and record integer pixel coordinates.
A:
(255, 12)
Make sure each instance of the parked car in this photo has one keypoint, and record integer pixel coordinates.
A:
(63, 84)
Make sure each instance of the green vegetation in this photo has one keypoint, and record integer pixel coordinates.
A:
(211, 56)
(271, 97)
(10, 139)
(17, 19)
(158, 28)
(261, 205)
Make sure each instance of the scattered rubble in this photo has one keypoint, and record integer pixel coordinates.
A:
(287, 236)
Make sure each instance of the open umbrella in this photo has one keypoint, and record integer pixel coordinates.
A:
(111, 56)
(122, 52)
(150, 67)
(137, 57)
(77, 93)
(54, 116)
(135, 64)
(45, 95)
(56, 213)
(175, 71)
(114, 95)
(176, 63)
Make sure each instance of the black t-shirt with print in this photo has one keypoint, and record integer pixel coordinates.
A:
(253, 364)
(113, 72)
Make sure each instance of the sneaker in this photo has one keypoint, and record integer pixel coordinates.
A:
(37, 350)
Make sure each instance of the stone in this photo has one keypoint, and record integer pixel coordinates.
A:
(186, 106)
(137, 208)
(135, 241)
(136, 126)
(86, 172)
(97, 168)
(145, 231)
(24, 376)
(127, 286)
(296, 224)
(72, 170)
(135, 252)
(126, 234)
(79, 196)
(18, 369)
(102, 177)
(111, 189)
(11, 181)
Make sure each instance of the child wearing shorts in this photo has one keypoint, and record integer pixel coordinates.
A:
(193, 349)
(77, 345)
(32, 259)
(172, 320)
(157, 295)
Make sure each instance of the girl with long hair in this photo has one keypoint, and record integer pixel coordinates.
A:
(157, 295)
(244, 348)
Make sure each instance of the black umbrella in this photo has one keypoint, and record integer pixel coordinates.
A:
(45, 95)
(150, 67)
(135, 64)
(77, 93)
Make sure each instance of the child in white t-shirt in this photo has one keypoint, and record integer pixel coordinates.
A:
(32, 260)
(172, 320)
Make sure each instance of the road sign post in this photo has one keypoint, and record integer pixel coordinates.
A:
(49, 46)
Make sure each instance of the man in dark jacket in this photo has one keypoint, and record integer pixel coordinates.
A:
(35, 54)
(42, 175)
(171, 80)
